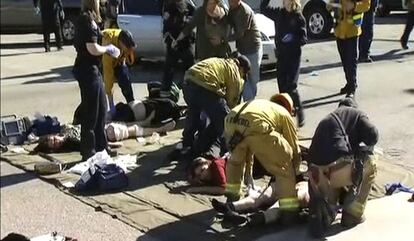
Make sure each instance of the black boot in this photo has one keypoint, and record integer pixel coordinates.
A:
(220, 207)
(300, 115)
(344, 89)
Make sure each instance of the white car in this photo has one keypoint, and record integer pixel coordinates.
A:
(143, 19)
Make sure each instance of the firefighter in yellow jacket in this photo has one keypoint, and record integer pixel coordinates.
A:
(266, 130)
(116, 68)
(348, 21)
(211, 86)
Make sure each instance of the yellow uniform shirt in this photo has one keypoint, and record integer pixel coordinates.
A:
(110, 36)
(349, 23)
(221, 76)
(262, 117)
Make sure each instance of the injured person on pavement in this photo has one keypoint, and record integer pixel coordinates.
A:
(265, 199)
(208, 176)
(68, 139)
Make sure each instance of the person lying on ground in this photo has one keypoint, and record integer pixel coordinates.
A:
(68, 139)
(208, 176)
(266, 200)
(149, 111)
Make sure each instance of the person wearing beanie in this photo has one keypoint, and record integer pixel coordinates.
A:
(343, 147)
(212, 86)
(266, 130)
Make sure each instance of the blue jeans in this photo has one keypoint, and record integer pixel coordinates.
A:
(250, 86)
(199, 100)
(124, 82)
(367, 35)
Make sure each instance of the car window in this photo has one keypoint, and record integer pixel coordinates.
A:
(143, 7)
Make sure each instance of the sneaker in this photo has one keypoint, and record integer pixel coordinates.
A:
(344, 89)
(349, 221)
(234, 218)
(220, 207)
(47, 49)
(59, 48)
(350, 94)
(300, 117)
(404, 44)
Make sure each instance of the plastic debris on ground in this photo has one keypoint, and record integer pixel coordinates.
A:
(102, 158)
(314, 73)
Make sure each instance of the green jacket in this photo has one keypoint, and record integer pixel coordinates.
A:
(201, 21)
(221, 76)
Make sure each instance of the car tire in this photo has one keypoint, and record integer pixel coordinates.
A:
(319, 22)
(68, 28)
(382, 10)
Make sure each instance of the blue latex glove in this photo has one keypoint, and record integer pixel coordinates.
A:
(113, 50)
(287, 38)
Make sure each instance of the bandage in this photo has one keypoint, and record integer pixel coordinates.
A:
(139, 131)
(117, 132)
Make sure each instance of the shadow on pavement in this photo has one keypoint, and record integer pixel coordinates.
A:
(64, 75)
(21, 45)
(395, 18)
(20, 54)
(409, 91)
(14, 179)
(308, 106)
(392, 54)
(320, 98)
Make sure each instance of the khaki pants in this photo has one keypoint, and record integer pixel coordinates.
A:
(275, 155)
(334, 177)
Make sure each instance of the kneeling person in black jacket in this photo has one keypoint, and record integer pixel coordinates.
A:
(341, 158)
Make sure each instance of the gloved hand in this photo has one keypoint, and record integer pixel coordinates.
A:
(36, 10)
(113, 50)
(287, 38)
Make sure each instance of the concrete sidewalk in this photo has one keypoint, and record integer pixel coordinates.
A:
(32, 207)
(389, 218)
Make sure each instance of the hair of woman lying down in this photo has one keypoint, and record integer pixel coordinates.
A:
(123, 113)
(197, 178)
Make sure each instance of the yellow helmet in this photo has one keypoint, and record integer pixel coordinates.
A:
(284, 100)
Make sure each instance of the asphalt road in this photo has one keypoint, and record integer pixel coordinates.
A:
(34, 81)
